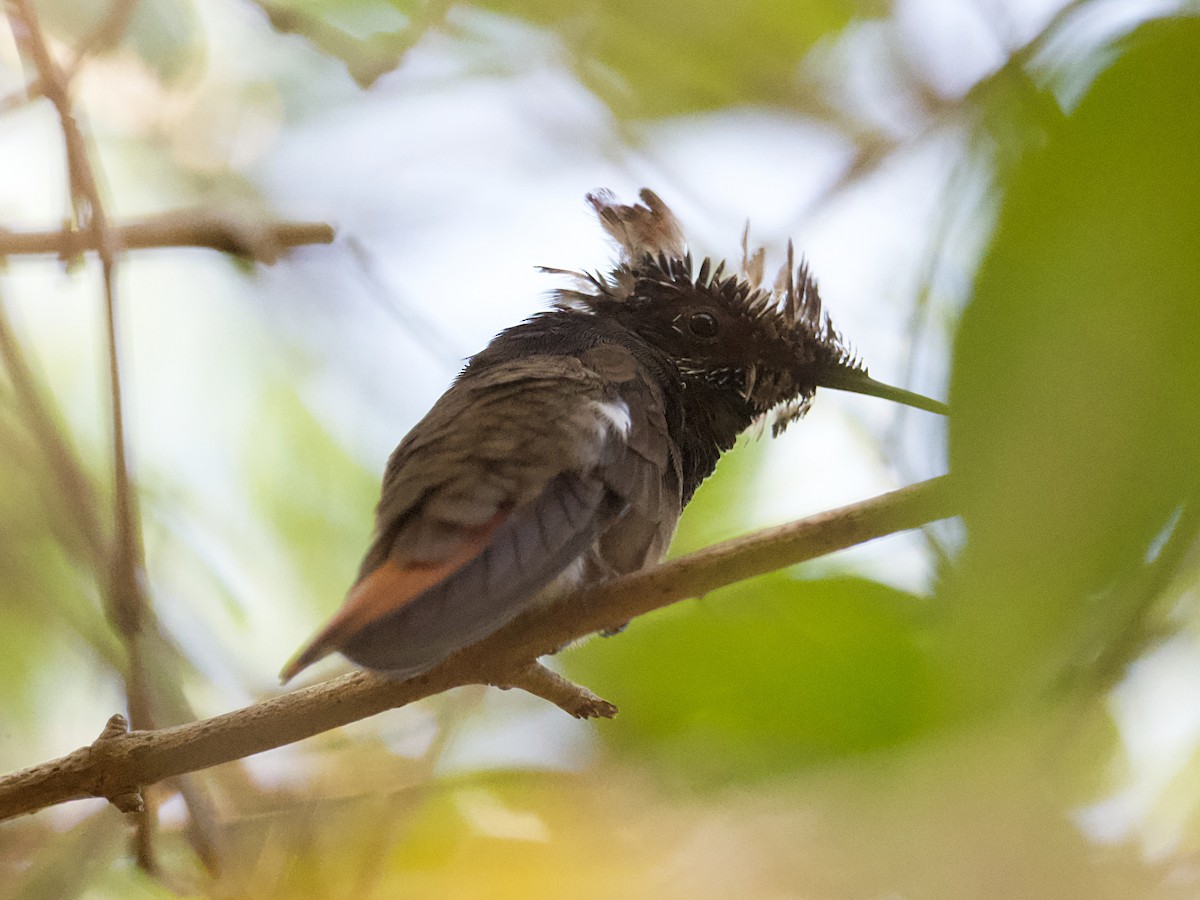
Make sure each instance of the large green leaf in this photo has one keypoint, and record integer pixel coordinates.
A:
(1076, 379)
(764, 677)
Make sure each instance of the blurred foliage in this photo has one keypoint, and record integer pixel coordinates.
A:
(306, 487)
(763, 677)
(788, 736)
(164, 34)
(643, 60)
(672, 57)
(1076, 382)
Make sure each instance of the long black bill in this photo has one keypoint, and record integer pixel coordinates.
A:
(859, 382)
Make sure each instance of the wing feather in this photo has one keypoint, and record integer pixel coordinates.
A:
(516, 473)
(493, 587)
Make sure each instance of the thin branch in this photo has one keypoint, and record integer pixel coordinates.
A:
(119, 766)
(124, 591)
(264, 242)
(89, 212)
(53, 85)
(571, 698)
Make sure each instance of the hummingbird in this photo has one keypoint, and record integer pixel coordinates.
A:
(564, 453)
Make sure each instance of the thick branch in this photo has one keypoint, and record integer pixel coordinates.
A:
(228, 234)
(123, 763)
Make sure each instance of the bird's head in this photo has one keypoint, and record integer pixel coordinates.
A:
(771, 347)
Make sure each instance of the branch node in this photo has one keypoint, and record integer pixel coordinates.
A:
(116, 726)
(125, 798)
(129, 801)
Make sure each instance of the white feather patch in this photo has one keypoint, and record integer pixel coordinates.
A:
(615, 415)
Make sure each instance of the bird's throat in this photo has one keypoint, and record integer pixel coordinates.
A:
(712, 419)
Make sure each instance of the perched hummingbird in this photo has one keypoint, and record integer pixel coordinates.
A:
(564, 453)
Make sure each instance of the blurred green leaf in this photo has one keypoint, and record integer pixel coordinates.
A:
(675, 57)
(41, 597)
(764, 676)
(1076, 382)
(48, 602)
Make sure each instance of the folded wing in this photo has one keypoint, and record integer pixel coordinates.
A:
(509, 481)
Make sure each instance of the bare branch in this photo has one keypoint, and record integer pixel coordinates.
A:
(261, 241)
(128, 762)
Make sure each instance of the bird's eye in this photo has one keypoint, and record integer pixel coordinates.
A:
(703, 325)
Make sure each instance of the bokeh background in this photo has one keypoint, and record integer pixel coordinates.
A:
(1001, 201)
